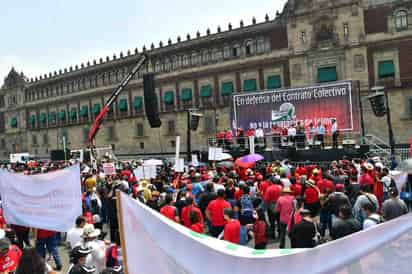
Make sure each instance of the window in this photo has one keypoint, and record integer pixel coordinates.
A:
(138, 104)
(250, 47)
(208, 124)
(96, 109)
(73, 114)
(346, 31)
(123, 105)
(303, 37)
(401, 20)
(52, 118)
(261, 45)
(84, 112)
(140, 130)
(236, 51)
(3, 143)
(167, 64)
(386, 69)
(226, 52)
(85, 135)
(206, 91)
(46, 138)
(34, 140)
(171, 129)
(195, 58)
(227, 88)
(43, 119)
(111, 133)
(410, 107)
(186, 94)
(217, 55)
(173, 143)
(185, 61)
(169, 97)
(158, 66)
(250, 85)
(175, 62)
(141, 145)
(206, 56)
(13, 122)
(62, 115)
(327, 74)
(274, 82)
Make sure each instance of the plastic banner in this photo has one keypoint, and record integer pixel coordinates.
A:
(49, 201)
(173, 249)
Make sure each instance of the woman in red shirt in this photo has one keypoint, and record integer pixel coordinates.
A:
(259, 231)
(311, 196)
(196, 224)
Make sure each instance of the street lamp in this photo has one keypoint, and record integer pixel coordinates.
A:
(380, 106)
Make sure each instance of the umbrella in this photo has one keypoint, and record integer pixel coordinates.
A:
(248, 160)
(153, 162)
(226, 164)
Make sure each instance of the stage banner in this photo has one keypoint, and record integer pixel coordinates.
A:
(49, 201)
(338, 100)
(153, 244)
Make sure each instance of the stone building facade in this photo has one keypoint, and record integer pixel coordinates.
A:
(310, 41)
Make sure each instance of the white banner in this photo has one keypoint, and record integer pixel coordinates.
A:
(215, 153)
(177, 148)
(145, 172)
(252, 144)
(173, 249)
(50, 201)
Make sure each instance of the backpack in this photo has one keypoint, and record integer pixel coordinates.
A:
(246, 206)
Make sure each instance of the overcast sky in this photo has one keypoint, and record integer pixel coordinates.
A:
(38, 37)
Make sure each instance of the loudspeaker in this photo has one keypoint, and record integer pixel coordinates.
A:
(150, 101)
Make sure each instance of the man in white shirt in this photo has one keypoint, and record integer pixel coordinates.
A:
(90, 240)
(372, 218)
(292, 134)
(74, 235)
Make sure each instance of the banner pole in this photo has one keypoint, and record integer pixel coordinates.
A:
(120, 221)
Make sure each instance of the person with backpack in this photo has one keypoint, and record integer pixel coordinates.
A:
(372, 218)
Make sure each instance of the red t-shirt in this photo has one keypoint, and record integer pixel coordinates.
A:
(44, 234)
(216, 208)
(169, 212)
(197, 227)
(297, 189)
(325, 184)
(259, 230)
(186, 213)
(238, 194)
(366, 179)
(272, 194)
(311, 195)
(232, 232)
(10, 260)
(263, 187)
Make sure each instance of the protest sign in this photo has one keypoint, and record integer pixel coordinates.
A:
(215, 153)
(49, 201)
(379, 250)
(195, 161)
(109, 169)
(145, 172)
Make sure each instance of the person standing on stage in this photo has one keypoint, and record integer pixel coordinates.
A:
(321, 134)
(335, 133)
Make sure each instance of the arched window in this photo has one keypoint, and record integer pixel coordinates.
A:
(401, 20)
(236, 51)
(157, 66)
(217, 54)
(167, 64)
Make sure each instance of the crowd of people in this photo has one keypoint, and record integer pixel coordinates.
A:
(265, 205)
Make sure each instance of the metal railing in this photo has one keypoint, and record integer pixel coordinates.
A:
(274, 142)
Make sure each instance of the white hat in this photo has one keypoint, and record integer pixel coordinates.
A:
(90, 232)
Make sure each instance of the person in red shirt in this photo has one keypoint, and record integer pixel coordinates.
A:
(187, 210)
(47, 239)
(259, 230)
(232, 228)
(196, 222)
(169, 211)
(366, 179)
(271, 197)
(9, 256)
(263, 186)
(311, 196)
(325, 184)
(285, 208)
(214, 213)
